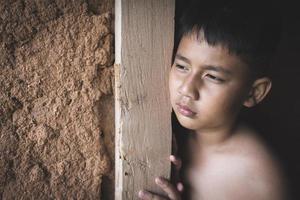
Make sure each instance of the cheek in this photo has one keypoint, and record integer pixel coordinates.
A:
(230, 100)
(219, 96)
(173, 82)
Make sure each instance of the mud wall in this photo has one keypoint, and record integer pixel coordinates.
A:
(56, 99)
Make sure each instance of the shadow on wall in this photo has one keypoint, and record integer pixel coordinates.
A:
(278, 117)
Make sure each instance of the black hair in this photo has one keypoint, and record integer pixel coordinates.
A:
(249, 29)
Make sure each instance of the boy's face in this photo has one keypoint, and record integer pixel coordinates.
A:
(208, 85)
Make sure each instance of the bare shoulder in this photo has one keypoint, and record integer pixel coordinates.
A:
(255, 168)
(243, 169)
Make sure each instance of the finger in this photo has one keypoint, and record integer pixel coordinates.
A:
(180, 187)
(176, 161)
(145, 195)
(168, 188)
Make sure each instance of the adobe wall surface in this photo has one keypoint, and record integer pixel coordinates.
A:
(56, 99)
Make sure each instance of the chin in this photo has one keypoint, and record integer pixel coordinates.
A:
(187, 122)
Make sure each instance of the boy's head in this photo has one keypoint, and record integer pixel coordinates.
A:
(248, 29)
(221, 61)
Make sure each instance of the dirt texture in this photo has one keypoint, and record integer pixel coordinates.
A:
(56, 99)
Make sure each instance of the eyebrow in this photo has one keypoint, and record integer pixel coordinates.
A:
(180, 57)
(207, 67)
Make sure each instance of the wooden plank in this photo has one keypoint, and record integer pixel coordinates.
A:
(144, 40)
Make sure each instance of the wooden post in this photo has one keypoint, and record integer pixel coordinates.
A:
(144, 32)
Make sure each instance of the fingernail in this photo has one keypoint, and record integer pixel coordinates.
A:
(158, 181)
(172, 157)
(180, 187)
(141, 194)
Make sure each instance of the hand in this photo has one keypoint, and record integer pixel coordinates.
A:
(177, 163)
(174, 193)
(165, 185)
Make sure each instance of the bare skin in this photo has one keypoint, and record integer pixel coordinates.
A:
(208, 87)
(240, 168)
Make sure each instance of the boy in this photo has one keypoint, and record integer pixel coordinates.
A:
(219, 67)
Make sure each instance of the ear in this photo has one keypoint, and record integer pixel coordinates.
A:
(259, 90)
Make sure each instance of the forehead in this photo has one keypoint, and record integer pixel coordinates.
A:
(198, 52)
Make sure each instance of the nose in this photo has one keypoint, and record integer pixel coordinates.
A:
(190, 88)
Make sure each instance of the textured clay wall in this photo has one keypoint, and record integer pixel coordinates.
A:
(56, 99)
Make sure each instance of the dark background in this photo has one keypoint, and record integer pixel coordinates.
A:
(278, 117)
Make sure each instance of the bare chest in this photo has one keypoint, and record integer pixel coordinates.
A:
(209, 176)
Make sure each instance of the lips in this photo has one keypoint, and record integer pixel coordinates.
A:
(185, 110)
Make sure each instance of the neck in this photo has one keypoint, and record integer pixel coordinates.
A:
(214, 137)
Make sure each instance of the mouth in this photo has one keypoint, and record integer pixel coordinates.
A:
(185, 110)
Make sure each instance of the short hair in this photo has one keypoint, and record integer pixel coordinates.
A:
(249, 29)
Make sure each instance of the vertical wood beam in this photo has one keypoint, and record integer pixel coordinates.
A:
(144, 31)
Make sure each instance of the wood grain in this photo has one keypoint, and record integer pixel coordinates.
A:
(144, 41)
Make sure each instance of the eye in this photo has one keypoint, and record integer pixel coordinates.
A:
(214, 78)
(181, 67)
